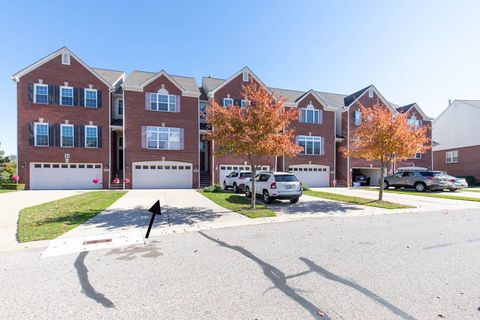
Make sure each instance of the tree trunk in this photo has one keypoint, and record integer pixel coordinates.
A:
(382, 183)
(254, 185)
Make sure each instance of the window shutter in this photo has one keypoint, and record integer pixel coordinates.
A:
(58, 129)
(30, 92)
(51, 92)
(296, 140)
(51, 128)
(177, 101)
(144, 137)
(322, 146)
(99, 136)
(236, 102)
(320, 116)
(75, 96)
(99, 98)
(182, 139)
(31, 136)
(75, 136)
(56, 95)
(82, 136)
(81, 97)
(147, 100)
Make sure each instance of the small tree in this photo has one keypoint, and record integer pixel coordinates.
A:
(7, 167)
(258, 130)
(385, 137)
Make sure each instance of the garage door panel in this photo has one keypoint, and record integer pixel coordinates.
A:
(312, 175)
(162, 175)
(51, 176)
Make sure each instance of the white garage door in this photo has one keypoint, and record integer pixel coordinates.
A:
(65, 176)
(162, 174)
(312, 175)
(225, 169)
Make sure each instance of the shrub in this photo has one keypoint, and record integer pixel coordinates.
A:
(470, 179)
(305, 187)
(214, 188)
(12, 186)
(5, 177)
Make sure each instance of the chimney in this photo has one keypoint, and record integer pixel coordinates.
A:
(449, 102)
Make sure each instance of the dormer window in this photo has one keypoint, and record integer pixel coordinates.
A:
(227, 102)
(310, 115)
(66, 59)
(245, 76)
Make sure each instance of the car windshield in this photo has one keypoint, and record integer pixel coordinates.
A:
(285, 178)
(431, 173)
(246, 174)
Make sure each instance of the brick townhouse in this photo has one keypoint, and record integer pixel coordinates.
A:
(81, 128)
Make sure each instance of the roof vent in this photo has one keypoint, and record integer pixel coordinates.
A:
(66, 59)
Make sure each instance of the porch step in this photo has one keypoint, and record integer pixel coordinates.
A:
(341, 184)
(205, 179)
(116, 186)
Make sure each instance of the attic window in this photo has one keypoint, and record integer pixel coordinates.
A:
(370, 92)
(66, 59)
(245, 76)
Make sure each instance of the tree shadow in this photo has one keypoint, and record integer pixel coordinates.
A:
(312, 207)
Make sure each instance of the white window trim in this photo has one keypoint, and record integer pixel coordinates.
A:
(245, 76)
(35, 134)
(416, 157)
(85, 142)
(359, 119)
(117, 109)
(316, 115)
(157, 129)
(227, 99)
(157, 102)
(313, 139)
(61, 135)
(449, 156)
(85, 98)
(243, 103)
(61, 96)
(65, 59)
(35, 85)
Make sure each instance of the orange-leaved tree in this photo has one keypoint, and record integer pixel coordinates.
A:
(386, 137)
(259, 129)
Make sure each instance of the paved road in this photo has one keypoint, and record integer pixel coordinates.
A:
(400, 266)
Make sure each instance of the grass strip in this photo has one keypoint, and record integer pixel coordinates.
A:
(239, 204)
(356, 200)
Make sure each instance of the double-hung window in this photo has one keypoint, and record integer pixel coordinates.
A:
(243, 103)
(66, 96)
(41, 93)
(358, 118)
(120, 107)
(91, 137)
(91, 98)
(41, 134)
(227, 102)
(311, 145)
(66, 135)
(162, 138)
(451, 156)
(310, 115)
(417, 155)
(163, 102)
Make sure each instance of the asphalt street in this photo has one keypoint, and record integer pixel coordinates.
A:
(401, 266)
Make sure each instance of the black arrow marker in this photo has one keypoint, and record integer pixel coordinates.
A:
(155, 209)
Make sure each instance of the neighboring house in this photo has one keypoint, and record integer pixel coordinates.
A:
(457, 149)
(77, 124)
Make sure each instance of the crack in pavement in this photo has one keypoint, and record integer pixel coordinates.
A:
(276, 276)
(87, 287)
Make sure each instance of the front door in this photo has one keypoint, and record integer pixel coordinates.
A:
(120, 153)
(203, 155)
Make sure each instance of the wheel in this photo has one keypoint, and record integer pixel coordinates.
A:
(266, 197)
(235, 188)
(294, 200)
(420, 187)
(248, 194)
(225, 186)
(452, 190)
(386, 185)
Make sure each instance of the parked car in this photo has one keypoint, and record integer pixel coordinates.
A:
(276, 185)
(420, 180)
(236, 180)
(456, 183)
(362, 179)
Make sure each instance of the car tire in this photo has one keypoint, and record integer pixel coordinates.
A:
(452, 190)
(420, 187)
(266, 197)
(386, 185)
(294, 200)
(225, 186)
(248, 194)
(235, 188)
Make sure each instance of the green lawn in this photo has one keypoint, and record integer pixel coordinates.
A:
(5, 190)
(238, 203)
(472, 189)
(356, 200)
(442, 195)
(52, 219)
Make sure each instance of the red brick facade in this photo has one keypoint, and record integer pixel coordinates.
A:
(467, 164)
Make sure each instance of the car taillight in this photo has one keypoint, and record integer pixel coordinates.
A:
(452, 180)
(273, 185)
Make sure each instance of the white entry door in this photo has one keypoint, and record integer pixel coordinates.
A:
(226, 169)
(162, 175)
(65, 176)
(312, 175)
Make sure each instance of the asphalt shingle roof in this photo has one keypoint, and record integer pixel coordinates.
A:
(111, 76)
(136, 78)
(349, 99)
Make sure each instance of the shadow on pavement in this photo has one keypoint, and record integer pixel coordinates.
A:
(312, 207)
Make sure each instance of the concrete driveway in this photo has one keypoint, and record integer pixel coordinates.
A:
(182, 210)
(12, 202)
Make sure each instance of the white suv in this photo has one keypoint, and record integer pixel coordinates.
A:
(236, 180)
(276, 185)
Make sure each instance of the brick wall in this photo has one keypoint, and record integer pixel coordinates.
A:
(467, 165)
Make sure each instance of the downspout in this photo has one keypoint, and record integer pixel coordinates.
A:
(335, 145)
(198, 144)
(124, 141)
(348, 146)
(110, 91)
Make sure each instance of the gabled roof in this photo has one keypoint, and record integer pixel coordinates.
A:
(351, 99)
(348, 100)
(209, 83)
(408, 107)
(318, 97)
(137, 80)
(474, 103)
(21, 73)
(111, 76)
(244, 69)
